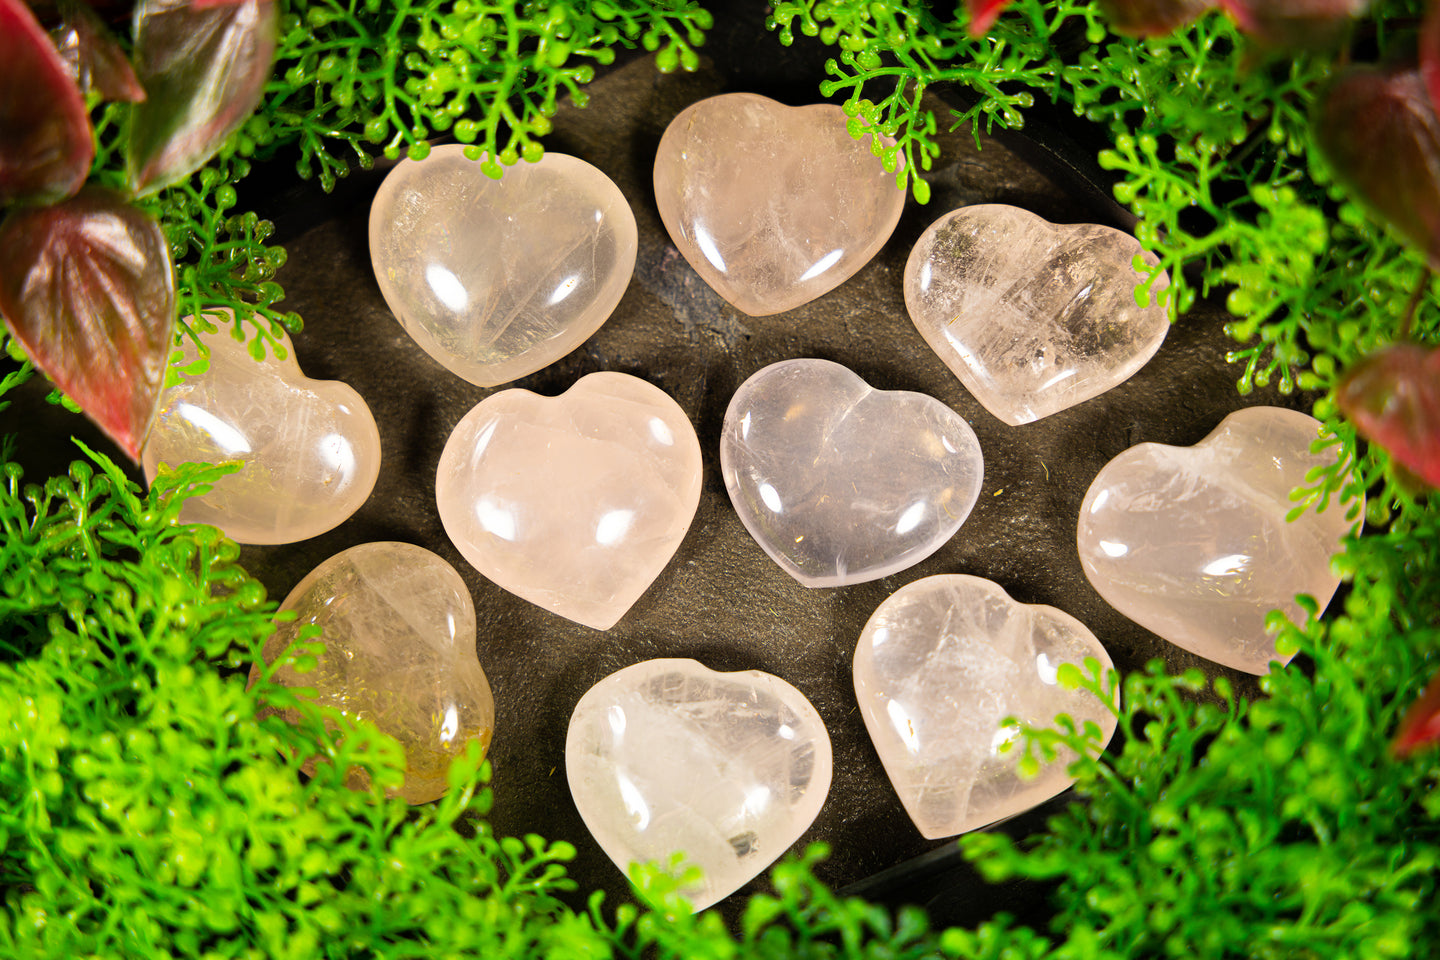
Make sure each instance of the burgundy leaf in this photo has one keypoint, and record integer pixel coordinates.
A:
(983, 14)
(1149, 18)
(93, 56)
(204, 69)
(45, 141)
(1421, 723)
(86, 287)
(1393, 398)
(1295, 24)
(1378, 132)
(1429, 43)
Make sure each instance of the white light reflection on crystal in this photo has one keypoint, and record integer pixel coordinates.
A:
(1003, 736)
(879, 636)
(635, 804)
(613, 526)
(706, 243)
(1047, 670)
(785, 732)
(925, 275)
(757, 799)
(226, 437)
(482, 441)
(1226, 566)
(446, 286)
(821, 265)
(771, 498)
(950, 447)
(745, 426)
(660, 430)
(337, 453)
(1099, 503)
(450, 625)
(495, 519)
(904, 726)
(564, 289)
(451, 725)
(1113, 549)
(616, 716)
(911, 518)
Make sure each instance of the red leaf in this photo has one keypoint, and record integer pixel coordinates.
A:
(1295, 24)
(86, 287)
(204, 69)
(92, 56)
(1149, 18)
(1393, 398)
(1421, 724)
(983, 14)
(1429, 44)
(45, 141)
(1378, 132)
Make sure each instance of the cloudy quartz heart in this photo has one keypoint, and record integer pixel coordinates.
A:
(577, 502)
(939, 666)
(1192, 542)
(772, 205)
(309, 449)
(669, 757)
(496, 279)
(841, 483)
(1033, 317)
(398, 629)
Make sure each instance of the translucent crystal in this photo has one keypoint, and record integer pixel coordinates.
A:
(939, 666)
(669, 757)
(496, 279)
(772, 205)
(1033, 317)
(310, 448)
(841, 483)
(399, 633)
(576, 502)
(1192, 542)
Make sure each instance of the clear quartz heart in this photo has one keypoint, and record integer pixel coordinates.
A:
(772, 205)
(841, 483)
(1033, 317)
(309, 448)
(577, 502)
(496, 279)
(398, 629)
(668, 757)
(1192, 542)
(939, 666)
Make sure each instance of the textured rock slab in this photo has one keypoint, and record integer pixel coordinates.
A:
(577, 502)
(939, 666)
(310, 448)
(772, 205)
(1033, 317)
(399, 633)
(1192, 543)
(669, 757)
(841, 483)
(499, 278)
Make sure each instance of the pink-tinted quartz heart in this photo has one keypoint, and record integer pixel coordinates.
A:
(1192, 542)
(498, 278)
(841, 483)
(309, 449)
(940, 665)
(577, 502)
(1033, 317)
(772, 205)
(669, 757)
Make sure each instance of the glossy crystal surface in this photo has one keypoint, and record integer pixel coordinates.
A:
(576, 502)
(941, 663)
(668, 756)
(841, 483)
(1192, 542)
(772, 205)
(496, 279)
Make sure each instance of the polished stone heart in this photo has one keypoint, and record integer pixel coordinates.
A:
(1033, 317)
(309, 448)
(398, 629)
(772, 205)
(940, 665)
(1192, 542)
(668, 757)
(841, 483)
(499, 278)
(577, 502)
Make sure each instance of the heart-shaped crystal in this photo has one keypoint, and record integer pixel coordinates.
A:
(1033, 317)
(399, 634)
(841, 483)
(499, 278)
(1192, 542)
(940, 665)
(772, 205)
(668, 757)
(310, 448)
(577, 502)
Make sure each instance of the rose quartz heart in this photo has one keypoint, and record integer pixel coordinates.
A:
(309, 448)
(939, 666)
(772, 205)
(499, 278)
(669, 757)
(577, 502)
(841, 483)
(1192, 542)
(1033, 317)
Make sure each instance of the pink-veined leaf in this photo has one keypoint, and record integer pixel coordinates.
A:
(45, 141)
(1393, 398)
(93, 56)
(1378, 132)
(1151, 18)
(1295, 24)
(203, 69)
(87, 288)
(1421, 724)
(983, 14)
